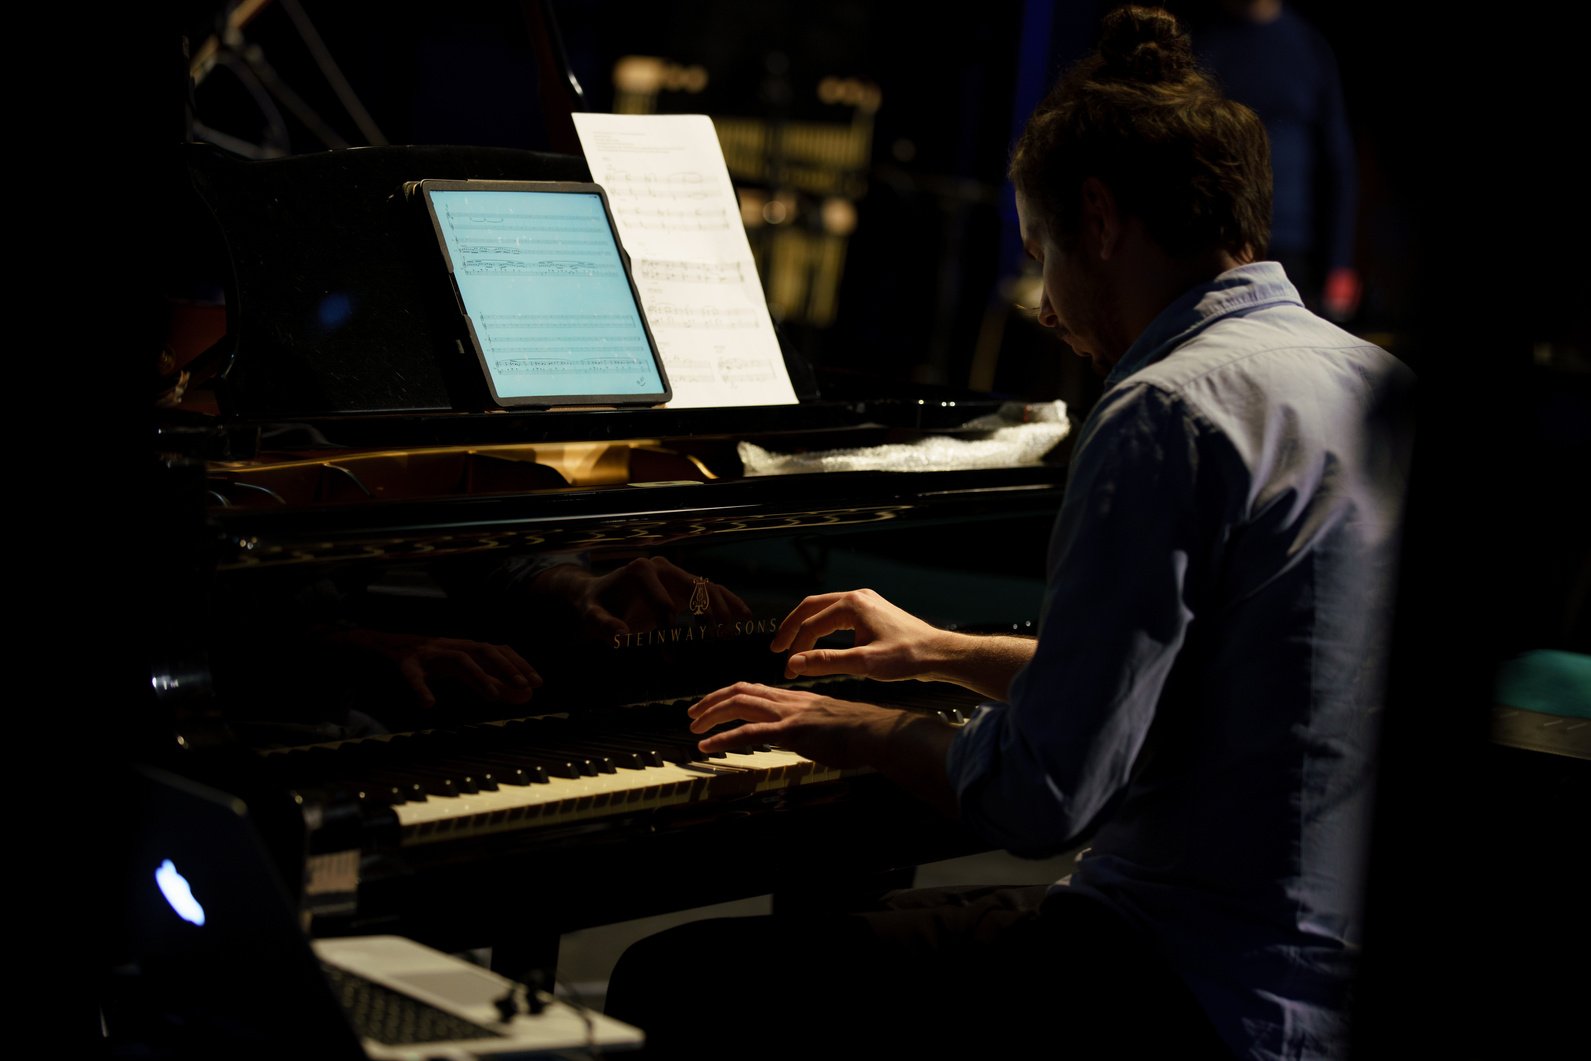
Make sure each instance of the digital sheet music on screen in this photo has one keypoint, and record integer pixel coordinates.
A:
(547, 293)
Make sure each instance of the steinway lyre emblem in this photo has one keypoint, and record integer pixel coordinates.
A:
(699, 603)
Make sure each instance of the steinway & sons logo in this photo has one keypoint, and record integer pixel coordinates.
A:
(685, 633)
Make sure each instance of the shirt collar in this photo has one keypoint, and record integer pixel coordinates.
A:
(1235, 291)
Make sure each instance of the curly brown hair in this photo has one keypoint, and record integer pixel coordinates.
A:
(1139, 115)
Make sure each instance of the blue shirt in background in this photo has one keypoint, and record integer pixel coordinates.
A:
(1285, 72)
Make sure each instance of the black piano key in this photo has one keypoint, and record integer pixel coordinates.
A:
(526, 737)
(631, 754)
(614, 738)
(511, 768)
(387, 790)
(606, 755)
(421, 756)
(353, 764)
(473, 750)
(585, 757)
(502, 770)
(481, 780)
(562, 762)
(610, 758)
(390, 795)
(559, 766)
(430, 784)
(449, 782)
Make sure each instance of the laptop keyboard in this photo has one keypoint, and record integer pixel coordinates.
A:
(393, 1018)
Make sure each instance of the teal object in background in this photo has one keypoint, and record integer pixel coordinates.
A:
(1548, 681)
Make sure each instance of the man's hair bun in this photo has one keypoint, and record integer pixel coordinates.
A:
(1138, 115)
(1143, 44)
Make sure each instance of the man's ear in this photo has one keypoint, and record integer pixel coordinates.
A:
(1101, 220)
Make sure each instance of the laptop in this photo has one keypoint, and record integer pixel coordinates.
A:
(546, 292)
(220, 967)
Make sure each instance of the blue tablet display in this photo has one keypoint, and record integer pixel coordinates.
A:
(547, 292)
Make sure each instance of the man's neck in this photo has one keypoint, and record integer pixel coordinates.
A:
(1149, 280)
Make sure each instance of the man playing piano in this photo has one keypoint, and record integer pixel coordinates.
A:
(1202, 694)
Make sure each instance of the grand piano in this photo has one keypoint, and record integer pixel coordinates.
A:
(443, 652)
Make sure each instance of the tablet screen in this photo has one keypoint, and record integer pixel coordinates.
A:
(547, 292)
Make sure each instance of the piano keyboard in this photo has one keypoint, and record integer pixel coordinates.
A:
(562, 801)
(559, 770)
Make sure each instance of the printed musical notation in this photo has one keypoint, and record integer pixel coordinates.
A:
(680, 222)
(545, 267)
(707, 219)
(473, 225)
(719, 371)
(593, 245)
(738, 370)
(671, 315)
(691, 372)
(672, 272)
(595, 339)
(584, 366)
(681, 183)
(561, 323)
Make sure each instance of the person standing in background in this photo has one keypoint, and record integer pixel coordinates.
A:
(1279, 66)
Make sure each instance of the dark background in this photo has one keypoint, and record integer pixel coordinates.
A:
(937, 228)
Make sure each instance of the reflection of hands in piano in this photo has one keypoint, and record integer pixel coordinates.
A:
(644, 594)
(893, 645)
(495, 673)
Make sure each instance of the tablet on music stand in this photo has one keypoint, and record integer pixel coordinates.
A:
(546, 291)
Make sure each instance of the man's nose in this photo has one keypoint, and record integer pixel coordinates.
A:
(1047, 316)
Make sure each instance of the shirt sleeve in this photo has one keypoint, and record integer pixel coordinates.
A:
(1035, 773)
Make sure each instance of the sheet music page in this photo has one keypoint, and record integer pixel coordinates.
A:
(680, 221)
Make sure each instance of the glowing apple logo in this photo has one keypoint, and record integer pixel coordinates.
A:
(174, 886)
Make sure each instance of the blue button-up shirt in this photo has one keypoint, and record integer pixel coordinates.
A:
(1208, 670)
